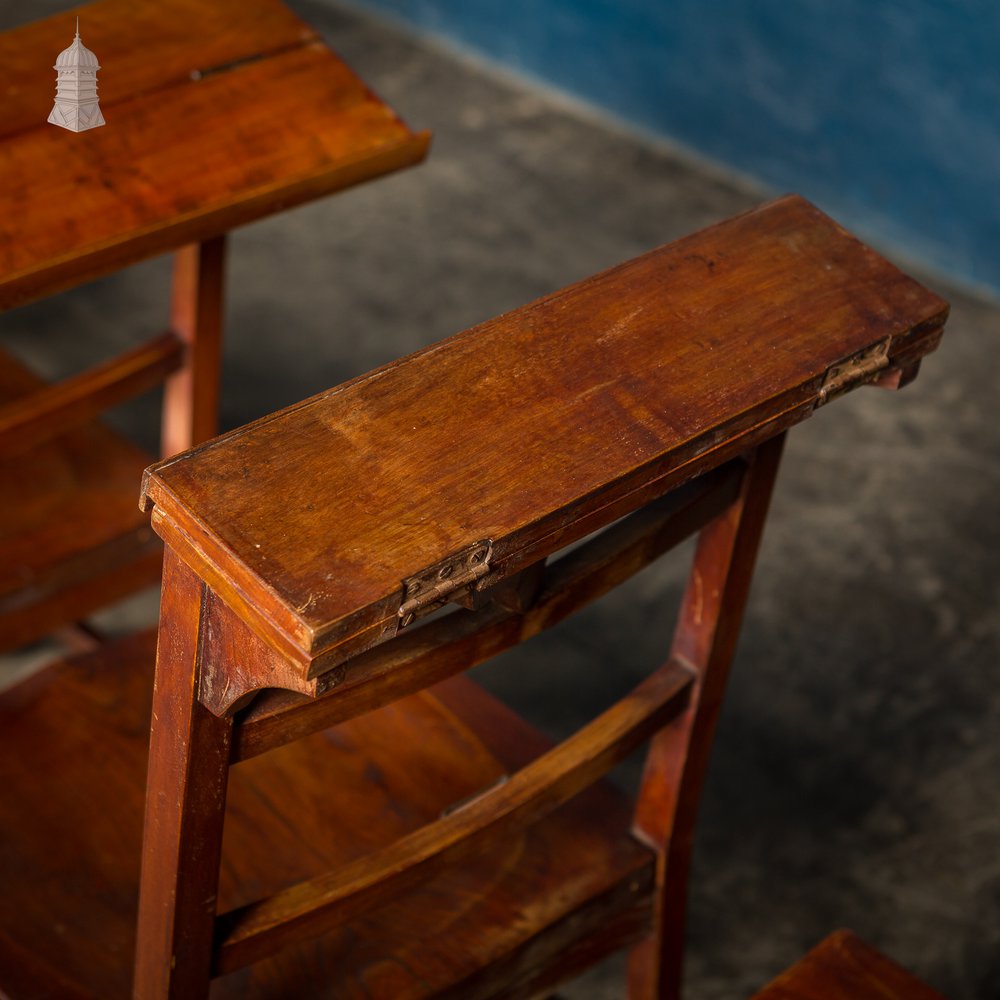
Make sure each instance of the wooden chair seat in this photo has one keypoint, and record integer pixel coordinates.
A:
(843, 967)
(72, 816)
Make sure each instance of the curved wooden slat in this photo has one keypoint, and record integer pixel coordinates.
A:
(320, 905)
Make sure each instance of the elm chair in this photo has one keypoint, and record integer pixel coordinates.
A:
(332, 808)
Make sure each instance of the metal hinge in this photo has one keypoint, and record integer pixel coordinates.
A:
(444, 581)
(856, 370)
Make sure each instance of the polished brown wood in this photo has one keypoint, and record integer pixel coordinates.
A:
(705, 640)
(461, 640)
(71, 538)
(781, 295)
(185, 84)
(188, 764)
(332, 812)
(333, 900)
(843, 967)
(54, 409)
(72, 812)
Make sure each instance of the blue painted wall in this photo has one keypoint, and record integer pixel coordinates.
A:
(884, 112)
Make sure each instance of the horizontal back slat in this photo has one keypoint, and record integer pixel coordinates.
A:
(55, 408)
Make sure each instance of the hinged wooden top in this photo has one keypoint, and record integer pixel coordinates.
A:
(217, 114)
(535, 428)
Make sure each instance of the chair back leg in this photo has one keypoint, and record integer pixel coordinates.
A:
(191, 395)
(705, 640)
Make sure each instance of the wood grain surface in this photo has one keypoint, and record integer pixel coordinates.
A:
(72, 819)
(183, 86)
(843, 967)
(70, 539)
(306, 522)
(217, 114)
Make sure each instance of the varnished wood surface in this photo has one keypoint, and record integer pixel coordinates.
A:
(705, 637)
(843, 967)
(72, 815)
(122, 34)
(529, 432)
(184, 86)
(70, 537)
(35, 417)
(217, 114)
(307, 522)
(334, 900)
(197, 310)
(186, 787)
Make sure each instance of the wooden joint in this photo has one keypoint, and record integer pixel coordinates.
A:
(544, 596)
(236, 664)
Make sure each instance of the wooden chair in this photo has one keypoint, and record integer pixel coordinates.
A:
(217, 114)
(843, 967)
(331, 808)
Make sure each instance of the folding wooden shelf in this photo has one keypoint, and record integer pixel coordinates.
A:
(217, 114)
(331, 809)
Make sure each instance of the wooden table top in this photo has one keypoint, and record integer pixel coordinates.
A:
(534, 428)
(217, 114)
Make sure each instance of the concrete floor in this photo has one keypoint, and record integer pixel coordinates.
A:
(856, 776)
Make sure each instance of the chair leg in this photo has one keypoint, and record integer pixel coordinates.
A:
(185, 807)
(191, 396)
(705, 640)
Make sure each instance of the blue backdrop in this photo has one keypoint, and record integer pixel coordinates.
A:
(884, 112)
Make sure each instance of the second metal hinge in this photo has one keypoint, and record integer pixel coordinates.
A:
(852, 371)
(444, 581)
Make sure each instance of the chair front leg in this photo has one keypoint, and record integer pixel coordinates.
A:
(185, 806)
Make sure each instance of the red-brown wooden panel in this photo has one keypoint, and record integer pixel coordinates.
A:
(507, 432)
(843, 967)
(141, 47)
(69, 526)
(217, 114)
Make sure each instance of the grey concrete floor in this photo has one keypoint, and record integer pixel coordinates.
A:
(856, 775)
